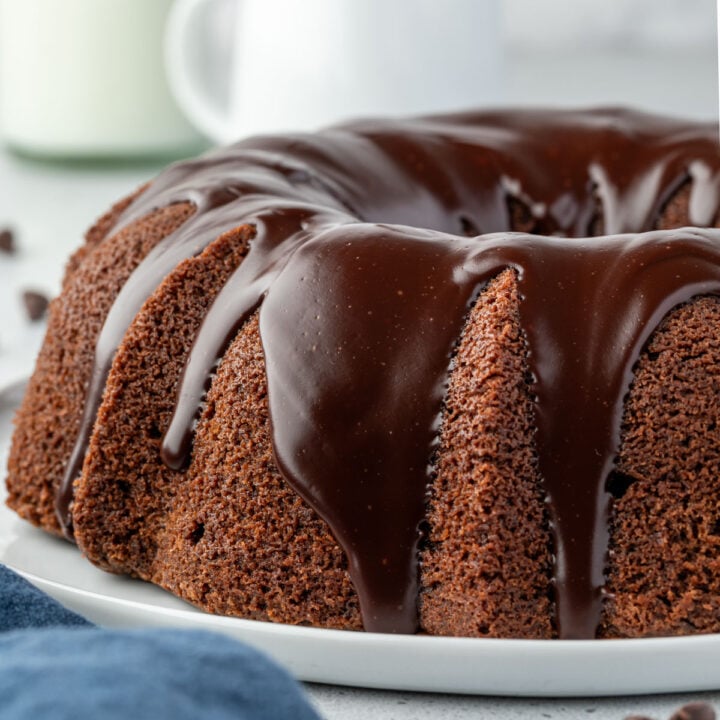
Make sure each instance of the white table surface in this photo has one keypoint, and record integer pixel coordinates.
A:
(50, 205)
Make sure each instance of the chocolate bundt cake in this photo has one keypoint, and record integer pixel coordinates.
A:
(363, 379)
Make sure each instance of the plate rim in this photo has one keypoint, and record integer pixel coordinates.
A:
(552, 646)
(339, 657)
(502, 667)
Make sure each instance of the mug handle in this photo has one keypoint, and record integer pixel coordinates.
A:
(183, 36)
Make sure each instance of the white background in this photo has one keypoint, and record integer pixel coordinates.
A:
(657, 54)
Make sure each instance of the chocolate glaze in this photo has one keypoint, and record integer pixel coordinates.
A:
(359, 319)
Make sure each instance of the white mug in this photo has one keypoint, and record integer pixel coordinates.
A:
(87, 78)
(240, 67)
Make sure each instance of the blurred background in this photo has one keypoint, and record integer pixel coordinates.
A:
(97, 95)
(656, 54)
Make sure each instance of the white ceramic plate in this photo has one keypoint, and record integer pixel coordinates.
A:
(456, 665)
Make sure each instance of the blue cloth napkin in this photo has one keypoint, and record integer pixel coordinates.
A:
(55, 665)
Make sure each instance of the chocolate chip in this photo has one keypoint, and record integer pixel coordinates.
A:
(691, 711)
(35, 304)
(7, 241)
(694, 711)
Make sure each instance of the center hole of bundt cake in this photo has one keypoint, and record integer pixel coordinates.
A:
(468, 227)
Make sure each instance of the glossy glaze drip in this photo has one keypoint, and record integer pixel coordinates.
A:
(371, 392)
(583, 313)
